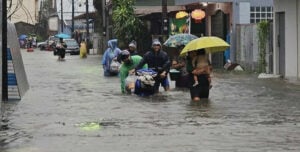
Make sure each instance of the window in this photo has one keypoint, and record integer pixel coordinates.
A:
(257, 20)
(257, 9)
(257, 15)
(260, 13)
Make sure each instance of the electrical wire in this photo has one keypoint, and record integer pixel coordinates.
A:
(19, 5)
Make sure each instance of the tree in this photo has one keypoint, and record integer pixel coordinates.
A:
(126, 25)
(99, 20)
(42, 24)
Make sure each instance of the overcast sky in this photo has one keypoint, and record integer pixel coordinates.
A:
(67, 7)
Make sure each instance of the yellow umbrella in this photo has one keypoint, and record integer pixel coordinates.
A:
(211, 44)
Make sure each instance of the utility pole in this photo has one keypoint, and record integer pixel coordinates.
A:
(164, 24)
(87, 26)
(73, 10)
(62, 17)
(4, 52)
(104, 25)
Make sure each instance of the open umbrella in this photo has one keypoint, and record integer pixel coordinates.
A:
(179, 40)
(211, 44)
(22, 37)
(62, 35)
(181, 14)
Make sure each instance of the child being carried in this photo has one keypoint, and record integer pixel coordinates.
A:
(201, 65)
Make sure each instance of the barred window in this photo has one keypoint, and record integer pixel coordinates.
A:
(260, 13)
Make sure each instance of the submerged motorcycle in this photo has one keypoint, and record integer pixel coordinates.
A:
(141, 84)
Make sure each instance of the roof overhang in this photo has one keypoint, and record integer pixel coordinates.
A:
(187, 2)
(145, 10)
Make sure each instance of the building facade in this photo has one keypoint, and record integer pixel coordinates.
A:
(287, 34)
(223, 17)
(26, 12)
(261, 10)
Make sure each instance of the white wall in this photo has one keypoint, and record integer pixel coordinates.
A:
(298, 13)
(244, 13)
(291, 57)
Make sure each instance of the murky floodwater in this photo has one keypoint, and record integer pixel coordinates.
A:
(71, 107)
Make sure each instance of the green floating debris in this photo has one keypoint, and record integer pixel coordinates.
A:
(89, 126)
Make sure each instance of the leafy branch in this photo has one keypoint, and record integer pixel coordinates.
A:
(127, 26)
(263, 33)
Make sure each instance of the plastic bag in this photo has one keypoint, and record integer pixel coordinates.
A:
(114, 66)
(130, 83)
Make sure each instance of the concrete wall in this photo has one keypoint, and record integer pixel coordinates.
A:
(261, 2)
(247, 52)
(24, 28)
(291, 38)
(298, 29)
(244, 11)
(17, 61)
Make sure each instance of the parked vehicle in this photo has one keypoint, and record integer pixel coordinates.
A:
(49, 44)
(72, 46)
(42, 45)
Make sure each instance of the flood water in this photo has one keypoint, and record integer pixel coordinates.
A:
(71, 107)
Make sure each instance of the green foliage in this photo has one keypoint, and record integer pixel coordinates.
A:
(263, 33)
(39, 38)
(44, 13)
(127, 26)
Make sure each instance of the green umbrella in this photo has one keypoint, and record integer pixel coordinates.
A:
(179, 40)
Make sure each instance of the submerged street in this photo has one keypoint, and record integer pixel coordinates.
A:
(72, 107)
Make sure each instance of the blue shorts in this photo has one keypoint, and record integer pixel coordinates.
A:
(165, 82)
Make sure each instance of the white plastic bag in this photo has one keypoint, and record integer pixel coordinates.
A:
(114, 66)
(130, 83)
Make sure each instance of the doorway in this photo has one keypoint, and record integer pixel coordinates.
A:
(281, 42)
(219, 28)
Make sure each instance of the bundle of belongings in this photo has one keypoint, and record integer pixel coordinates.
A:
(130, 83)
(144, 84)
(114, 66)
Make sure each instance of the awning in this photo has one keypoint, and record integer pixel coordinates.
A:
(187, 2)
(145, 10)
